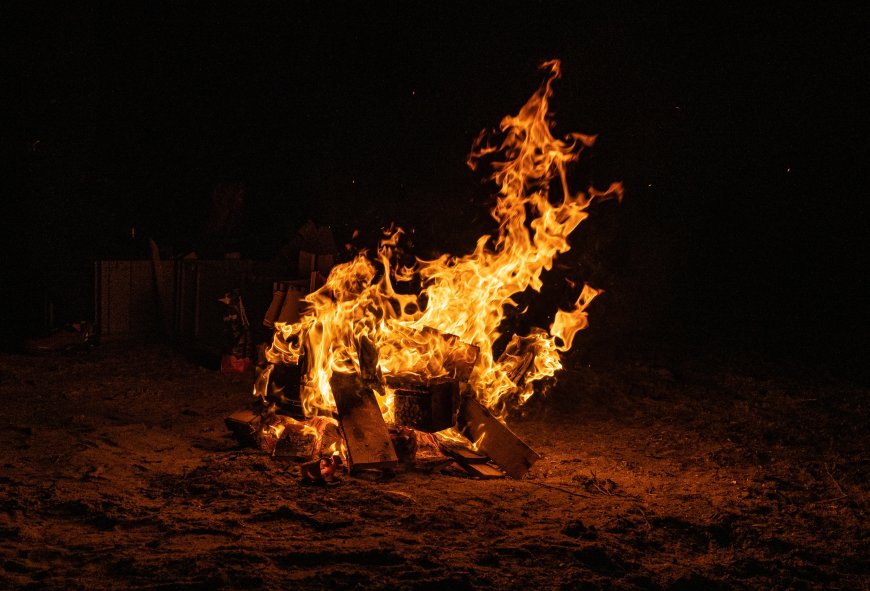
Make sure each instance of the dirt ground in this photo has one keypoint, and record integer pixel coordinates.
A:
(118, 472)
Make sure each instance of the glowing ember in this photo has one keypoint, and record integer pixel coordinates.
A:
(358, 314)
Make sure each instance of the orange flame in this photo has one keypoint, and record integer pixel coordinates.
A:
(358, 307)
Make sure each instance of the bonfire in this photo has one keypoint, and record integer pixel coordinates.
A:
(373, 364)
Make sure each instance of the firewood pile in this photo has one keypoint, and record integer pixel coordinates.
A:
(435, 420)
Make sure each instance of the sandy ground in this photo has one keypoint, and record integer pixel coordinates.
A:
(118, 472)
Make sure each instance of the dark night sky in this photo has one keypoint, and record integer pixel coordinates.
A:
(738, 132)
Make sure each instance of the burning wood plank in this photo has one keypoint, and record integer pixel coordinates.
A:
(494, 438)
(362, 424)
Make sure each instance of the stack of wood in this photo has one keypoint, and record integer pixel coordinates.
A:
(422, 405)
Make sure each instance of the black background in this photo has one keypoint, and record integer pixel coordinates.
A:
(739, 133)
